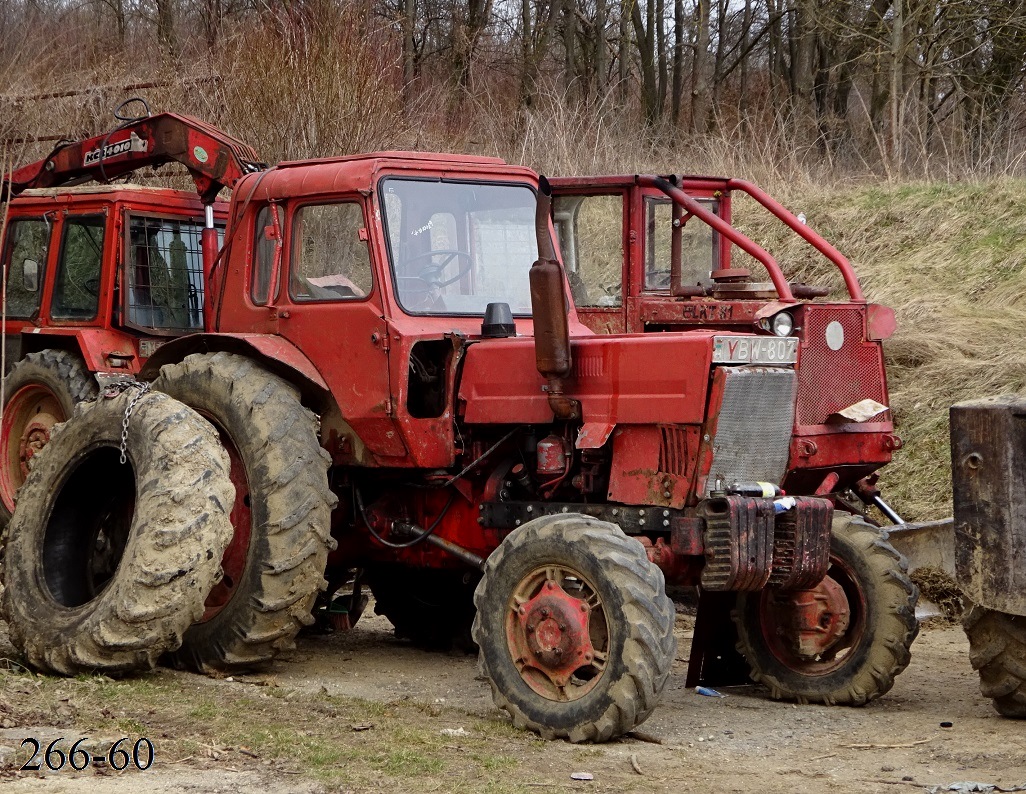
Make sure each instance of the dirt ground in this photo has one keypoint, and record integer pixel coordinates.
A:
(361, 711)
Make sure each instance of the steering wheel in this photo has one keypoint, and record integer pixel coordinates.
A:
(431, 273)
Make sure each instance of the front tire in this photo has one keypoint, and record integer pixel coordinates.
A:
(575, 629)
(997, 650)
(274, 566)
(108, 564)
(864, 610)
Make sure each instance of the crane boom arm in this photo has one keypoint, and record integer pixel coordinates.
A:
(214, 159)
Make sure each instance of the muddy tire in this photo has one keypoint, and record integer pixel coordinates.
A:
(274, 566)
(41, 391)
(997, 650)
(570, 587)
(432, 609)
(868, 652)
(107, 564)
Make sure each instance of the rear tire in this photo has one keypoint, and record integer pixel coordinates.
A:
(274, 566)
(41, 391)
(575, 629)
(107, 564)
(874, 648)
(997, 650)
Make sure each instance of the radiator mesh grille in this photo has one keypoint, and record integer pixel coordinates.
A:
(831, 380)
(753, 435)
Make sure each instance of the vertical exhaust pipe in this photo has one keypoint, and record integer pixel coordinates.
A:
(549, 309)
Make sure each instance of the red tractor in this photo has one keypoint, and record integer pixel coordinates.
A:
(98, 277)
(640, 263)
(411, 404)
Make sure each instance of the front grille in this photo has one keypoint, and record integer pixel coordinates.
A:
(753, 431)
(831, 380)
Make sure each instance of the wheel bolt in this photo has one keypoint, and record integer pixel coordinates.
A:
(550, 585)
(522, 611)
(558, 651)
(545, 613)
(584, 607)
(562, 627)
(587, 657)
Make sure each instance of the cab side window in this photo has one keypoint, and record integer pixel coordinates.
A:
(699, 246)
(76, 294)
(164, 273)
(266, 233)
(330, 258)
(26, 246)
(590, 230)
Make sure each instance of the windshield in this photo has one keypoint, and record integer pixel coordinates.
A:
(458, 246)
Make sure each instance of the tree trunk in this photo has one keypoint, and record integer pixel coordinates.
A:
(678, 61)
(622, 56)
(746, 32)
(599, 60)
(571, 67)
(166, 27)
(649, 89)
(897, 94)
(701, 77)
(661, 51)
(409, 49)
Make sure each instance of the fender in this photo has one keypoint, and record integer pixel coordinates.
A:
(278, 355)
(103, 349)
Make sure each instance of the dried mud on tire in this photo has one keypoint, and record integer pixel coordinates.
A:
(280, 463)
(107, 564)
(997, 650)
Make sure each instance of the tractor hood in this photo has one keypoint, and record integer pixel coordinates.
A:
(618, 380)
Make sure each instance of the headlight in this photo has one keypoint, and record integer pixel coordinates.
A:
(782, 324)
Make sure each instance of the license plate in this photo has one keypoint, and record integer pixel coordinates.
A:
(755, 350)
(147, 347)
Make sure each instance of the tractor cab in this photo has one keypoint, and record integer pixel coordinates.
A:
(110, 272)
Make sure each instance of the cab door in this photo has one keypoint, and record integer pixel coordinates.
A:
(329, 306)
(26, 247)
(75, 290)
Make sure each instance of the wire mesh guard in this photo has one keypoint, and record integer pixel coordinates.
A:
(165, 274)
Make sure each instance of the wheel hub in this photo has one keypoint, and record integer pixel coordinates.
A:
(553, 623)
(817, 618)
(556, 626)
(34, 437)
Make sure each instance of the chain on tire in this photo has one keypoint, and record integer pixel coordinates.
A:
(112, 391)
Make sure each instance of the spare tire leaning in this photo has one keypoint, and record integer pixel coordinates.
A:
(107, 564)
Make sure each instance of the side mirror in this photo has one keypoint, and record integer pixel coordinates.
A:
(30, 275)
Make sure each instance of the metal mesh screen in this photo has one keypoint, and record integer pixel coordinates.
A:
(753, 434)
(831, 380)
(164, 274)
